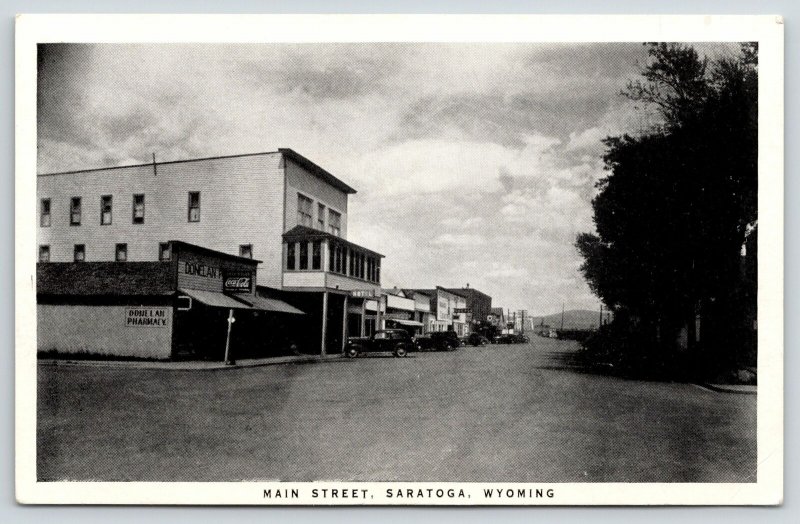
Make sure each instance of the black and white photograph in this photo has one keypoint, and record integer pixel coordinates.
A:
(467, 272)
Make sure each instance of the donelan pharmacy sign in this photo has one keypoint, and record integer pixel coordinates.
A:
(146, 317)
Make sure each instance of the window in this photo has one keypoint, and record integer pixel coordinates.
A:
(105, 210)
(138, 209)
(377, 271)
(75, 211)
(44, 253)
(121, 253)
(321, 217)
(304, 210)
(334, 223)
(44, 213)
(163, 252)
(382, 336)
(303, 255)
(246, 250)
(316, 255)
(331, 256)
(79, 253)
(194, 206)
(290, 256)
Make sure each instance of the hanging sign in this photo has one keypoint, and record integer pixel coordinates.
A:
(237, 283)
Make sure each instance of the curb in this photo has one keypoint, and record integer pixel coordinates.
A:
(736, 390)
(186, 366)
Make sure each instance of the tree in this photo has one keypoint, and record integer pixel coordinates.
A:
(672, 214)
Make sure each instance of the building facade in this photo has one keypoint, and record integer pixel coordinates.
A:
(447, 310)
(179, 307)
(278, 207)
(478, 306)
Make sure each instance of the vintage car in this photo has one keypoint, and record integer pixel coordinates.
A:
(476, 339)
(505, 338)
(439, 341)
(396, 341)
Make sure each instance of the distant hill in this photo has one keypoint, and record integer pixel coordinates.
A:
(573, 319)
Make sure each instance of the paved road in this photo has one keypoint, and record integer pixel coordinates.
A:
(499, 413)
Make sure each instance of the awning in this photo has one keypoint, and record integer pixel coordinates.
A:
(252, 303)
(407, 322)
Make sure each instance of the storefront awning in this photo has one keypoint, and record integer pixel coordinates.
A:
(407, 322)
(254, 303)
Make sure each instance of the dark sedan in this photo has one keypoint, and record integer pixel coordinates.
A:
(396, 341)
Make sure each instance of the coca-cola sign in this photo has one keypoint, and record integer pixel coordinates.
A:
(237, 283)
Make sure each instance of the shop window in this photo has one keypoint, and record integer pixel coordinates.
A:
(316, 255)
(290, 256)
(334, 223)
(303, 255)
(44, 213)
(194, 206)
(79, 253)
(105, 210)
(44, 253)
(75, 211)
(121, 253)
(246, 250)
(163, 251)
(138, 209)
(321, 217)
(304, 210)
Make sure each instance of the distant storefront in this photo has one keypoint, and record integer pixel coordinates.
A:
(175, 308)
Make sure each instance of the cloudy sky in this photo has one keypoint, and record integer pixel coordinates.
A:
(474, 163)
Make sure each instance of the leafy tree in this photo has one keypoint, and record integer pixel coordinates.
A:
(673, 212)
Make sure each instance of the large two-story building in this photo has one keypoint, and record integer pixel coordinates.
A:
(278, 207)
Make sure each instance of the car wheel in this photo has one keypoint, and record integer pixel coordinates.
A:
(400, 351)
(449, 346)
(352, 352)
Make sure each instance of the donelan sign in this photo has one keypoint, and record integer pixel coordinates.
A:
(237, 283)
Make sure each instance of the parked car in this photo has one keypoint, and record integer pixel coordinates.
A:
(521, 339)
(397, 341)
(439, 341)
(476, 339)
(505, 338)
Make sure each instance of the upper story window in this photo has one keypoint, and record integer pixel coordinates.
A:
(321, 217)
(105, 210)
(305, 208)
(44, 212)
(303, 255)
(246, 250)
(290, 257)
(334, 223)
(121, 253)
(163, 251)
(44, 253)
(75, 211)
(138, 209)
(316, 254)
(194, 206)
(79, 253)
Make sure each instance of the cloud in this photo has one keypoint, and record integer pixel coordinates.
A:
(458, 239)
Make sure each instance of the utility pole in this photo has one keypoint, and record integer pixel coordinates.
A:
(155, 170)
(562, 316)
(601, 316)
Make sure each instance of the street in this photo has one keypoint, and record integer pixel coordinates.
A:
(505, 413)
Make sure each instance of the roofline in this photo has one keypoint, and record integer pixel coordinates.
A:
(157, 163)
(212, 252)
(317, 234)
(316, 169)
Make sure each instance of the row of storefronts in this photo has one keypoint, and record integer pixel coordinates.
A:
(254, 263)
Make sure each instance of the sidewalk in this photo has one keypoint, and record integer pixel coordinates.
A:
(191, 365)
